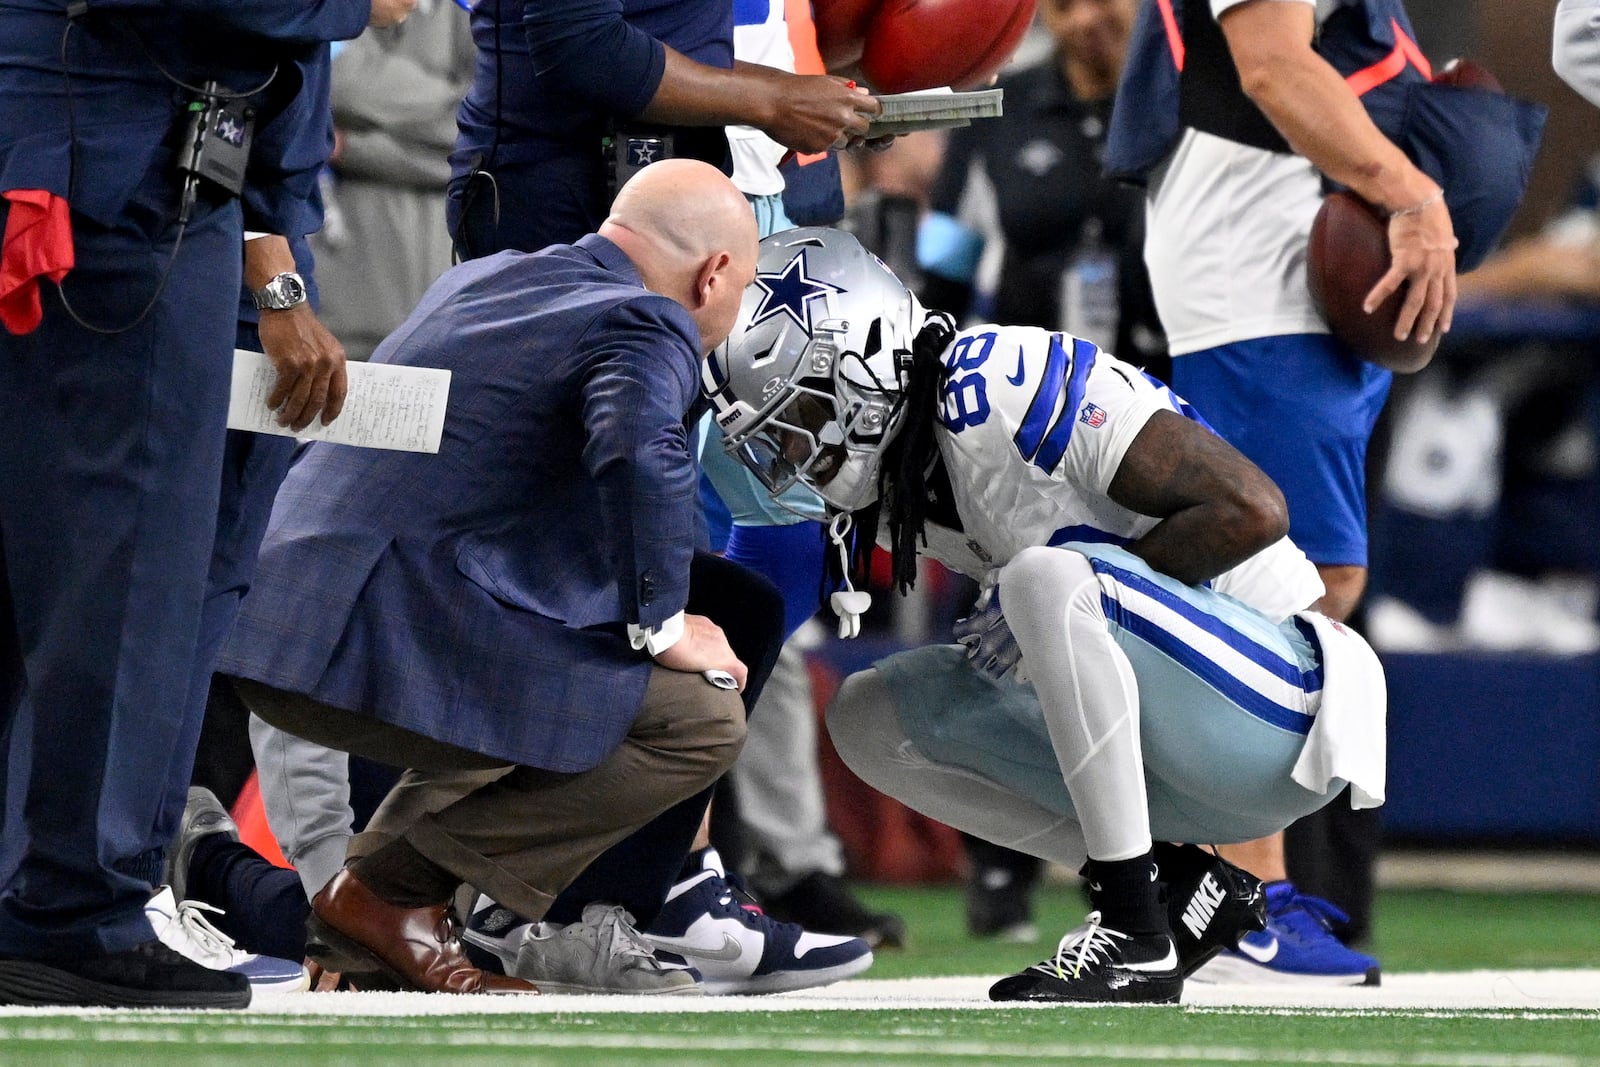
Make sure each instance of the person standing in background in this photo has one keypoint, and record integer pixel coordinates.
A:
(1233, 111)
(1073, 239)
(115, 386)
(1576, 50)
(564, 92)
(395, 95)
(785, 848)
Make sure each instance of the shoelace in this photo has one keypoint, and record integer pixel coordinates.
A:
(625, 939)
(200, 933)
(1089, 943)
(742, 895)
(1321, 914)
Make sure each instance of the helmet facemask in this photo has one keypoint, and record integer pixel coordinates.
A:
(816, 400)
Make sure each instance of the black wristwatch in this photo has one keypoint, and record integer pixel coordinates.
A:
(285, 291)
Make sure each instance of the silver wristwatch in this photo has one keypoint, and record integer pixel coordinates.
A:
(285, 291)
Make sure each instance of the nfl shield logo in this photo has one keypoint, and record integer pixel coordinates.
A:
(1092, 415)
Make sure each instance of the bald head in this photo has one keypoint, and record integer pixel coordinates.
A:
(692, 235)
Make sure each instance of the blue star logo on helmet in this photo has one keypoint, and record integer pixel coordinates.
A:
(790, 292)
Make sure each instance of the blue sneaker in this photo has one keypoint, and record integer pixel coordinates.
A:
(738, 948)
(1297, 947)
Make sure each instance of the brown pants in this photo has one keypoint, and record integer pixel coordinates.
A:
(521, 834)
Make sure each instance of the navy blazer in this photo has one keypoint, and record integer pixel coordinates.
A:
(479, 595)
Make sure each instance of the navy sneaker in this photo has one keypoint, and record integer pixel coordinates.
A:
(738, 948)
(1095, 964)
(1297, 947)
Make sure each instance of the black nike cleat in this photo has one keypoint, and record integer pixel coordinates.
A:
(1097, 965)
(1211, 903)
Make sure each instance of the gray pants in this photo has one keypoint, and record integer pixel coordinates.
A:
(522, 834)
(778, 784)
(305, 788)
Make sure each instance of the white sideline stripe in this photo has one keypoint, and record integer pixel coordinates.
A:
(1496, 994)
(876, 1047)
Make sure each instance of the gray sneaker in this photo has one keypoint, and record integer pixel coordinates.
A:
(601, 954)
(203, 815)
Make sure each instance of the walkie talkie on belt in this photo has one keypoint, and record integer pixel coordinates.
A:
(628, 151)
(216, 144)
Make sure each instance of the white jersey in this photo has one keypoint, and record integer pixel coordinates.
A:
(1033, 427)
(761, 37)
(1226, 235)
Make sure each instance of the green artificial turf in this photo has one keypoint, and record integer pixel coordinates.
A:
(1416, 931)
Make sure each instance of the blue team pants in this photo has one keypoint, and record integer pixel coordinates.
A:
(111, 453)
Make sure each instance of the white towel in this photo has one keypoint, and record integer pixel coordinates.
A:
(1348, 738)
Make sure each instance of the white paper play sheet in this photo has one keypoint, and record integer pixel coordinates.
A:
(387, 406)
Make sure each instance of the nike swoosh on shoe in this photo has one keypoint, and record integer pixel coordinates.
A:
(1261, 954)
(729, 951)
(1169, 962)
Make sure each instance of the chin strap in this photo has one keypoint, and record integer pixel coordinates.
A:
(849, 603)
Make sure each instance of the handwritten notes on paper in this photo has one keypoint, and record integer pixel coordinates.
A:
(388, 406)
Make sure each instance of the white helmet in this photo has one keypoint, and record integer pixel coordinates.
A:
(807, 387)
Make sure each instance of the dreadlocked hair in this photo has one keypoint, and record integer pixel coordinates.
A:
(902, 481)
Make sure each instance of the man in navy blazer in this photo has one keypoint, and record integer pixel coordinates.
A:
(507, 618)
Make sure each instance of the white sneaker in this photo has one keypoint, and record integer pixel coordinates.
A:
(184, 929)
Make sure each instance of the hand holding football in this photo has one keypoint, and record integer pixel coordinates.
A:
(1348, 253)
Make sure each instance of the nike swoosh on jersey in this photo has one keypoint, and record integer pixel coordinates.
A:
(1260, 953)
(727, 952)
(1022, 374)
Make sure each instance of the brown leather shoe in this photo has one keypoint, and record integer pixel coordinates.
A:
(412, 946)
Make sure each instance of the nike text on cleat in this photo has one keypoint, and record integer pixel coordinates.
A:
(737, 948)
(1095, 964)
(1296, 948)
(1211, 903)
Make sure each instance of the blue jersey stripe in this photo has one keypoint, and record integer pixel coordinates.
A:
(1055, 443)
(1207, 670)
(1031, 433)
(1089, 535)
(1269, 661)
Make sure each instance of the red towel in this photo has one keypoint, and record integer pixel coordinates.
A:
(37, 244)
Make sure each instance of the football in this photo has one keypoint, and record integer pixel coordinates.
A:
(842, 30)
(1467, 74)
(1348, 253)
(924, 44)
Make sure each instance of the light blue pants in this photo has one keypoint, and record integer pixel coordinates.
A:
(1223, 702)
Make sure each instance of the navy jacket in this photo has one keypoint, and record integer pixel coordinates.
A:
(122, 112)
(553, 78)
(479, 596)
